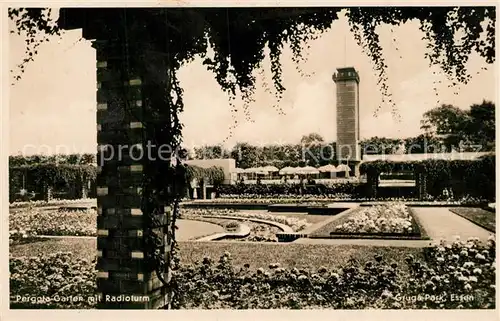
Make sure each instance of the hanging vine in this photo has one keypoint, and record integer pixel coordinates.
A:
(238, 37)
(37, 26)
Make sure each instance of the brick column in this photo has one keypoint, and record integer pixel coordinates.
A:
(128, 214)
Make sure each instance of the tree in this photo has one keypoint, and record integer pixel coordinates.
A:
(314, 149)
(380, 145)
(481, 125)
(211, 152)
(88, 159)
(423, 144)
(448, 123)
(444, 120)
(246, 155)
(462, 129)
(312, 139)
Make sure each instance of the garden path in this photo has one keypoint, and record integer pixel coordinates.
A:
(440, 223)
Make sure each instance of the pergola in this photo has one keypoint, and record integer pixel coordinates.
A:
(137, 198)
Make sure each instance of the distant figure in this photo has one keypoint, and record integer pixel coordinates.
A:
(259, 181)
(25, 196)
(302, 185)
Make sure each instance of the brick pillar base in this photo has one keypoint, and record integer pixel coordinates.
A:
(127, 216)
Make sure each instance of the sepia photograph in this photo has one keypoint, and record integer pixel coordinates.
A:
(249, 157)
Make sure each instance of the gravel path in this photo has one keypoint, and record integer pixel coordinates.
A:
(439, 223)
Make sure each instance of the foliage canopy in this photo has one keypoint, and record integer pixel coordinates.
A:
(239, 36)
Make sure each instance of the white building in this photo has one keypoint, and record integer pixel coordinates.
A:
(227, 164)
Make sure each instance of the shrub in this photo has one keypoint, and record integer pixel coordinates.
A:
(52, 281)
(461, 269)
(354, 190)
(232, 225)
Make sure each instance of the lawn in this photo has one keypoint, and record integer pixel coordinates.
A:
(478, 216)
(255, 254)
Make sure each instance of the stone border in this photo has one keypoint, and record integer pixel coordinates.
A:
(244, 231)
(290, 237)
(416, 220)
(283, 227)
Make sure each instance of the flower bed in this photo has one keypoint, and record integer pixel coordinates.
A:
(323, 199)
(435, 281)
(47, 281)
(338, 188)
(32, 222)
(466, 201)
(260, 233)
(387, 220)
(295, 223)
(55, 202)
(276, 199)
(285, 197)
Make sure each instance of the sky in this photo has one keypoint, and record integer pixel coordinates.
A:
(52, 109)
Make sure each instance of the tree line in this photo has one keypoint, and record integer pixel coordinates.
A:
(444, 129)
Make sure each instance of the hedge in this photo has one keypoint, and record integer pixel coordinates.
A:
(354, 189)
(39, 176)
(474, 178)
(69, 178)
